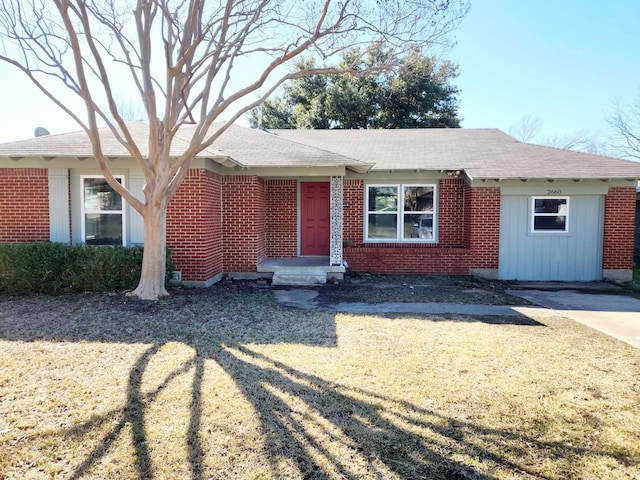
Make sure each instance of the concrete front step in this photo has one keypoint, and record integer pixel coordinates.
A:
(301, 270)
(298, 278)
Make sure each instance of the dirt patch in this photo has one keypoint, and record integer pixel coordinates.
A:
(371, 288)
(417, 288)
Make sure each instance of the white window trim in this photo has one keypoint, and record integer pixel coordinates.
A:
(122, 212)
(400, 214)
(533, 213)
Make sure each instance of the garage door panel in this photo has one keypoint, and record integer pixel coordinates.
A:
(572, 256)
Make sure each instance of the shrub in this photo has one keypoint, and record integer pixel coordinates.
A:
(56, 268)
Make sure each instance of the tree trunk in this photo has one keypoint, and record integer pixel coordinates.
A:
(154, 260)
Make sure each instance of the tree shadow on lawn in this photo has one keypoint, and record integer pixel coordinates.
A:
(302, 416)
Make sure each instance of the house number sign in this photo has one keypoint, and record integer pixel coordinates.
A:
(554, 192)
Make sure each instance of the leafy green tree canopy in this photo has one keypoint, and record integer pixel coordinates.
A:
(416, 94)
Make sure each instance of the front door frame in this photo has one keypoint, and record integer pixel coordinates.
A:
(304, 252)
(336, 218)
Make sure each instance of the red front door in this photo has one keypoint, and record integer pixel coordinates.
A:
(314, 218)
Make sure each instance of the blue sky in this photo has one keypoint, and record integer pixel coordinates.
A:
(564, 61)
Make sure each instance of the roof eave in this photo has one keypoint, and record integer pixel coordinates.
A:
(558, 178)
(223, 160)
(364, 168)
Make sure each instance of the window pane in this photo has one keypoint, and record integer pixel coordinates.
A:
(549, 222)
(382, 226)
(418, 226)
(99, 196)
(551, 205)
(418, 199)
(103, 229)
(550, 214)
(383, 199)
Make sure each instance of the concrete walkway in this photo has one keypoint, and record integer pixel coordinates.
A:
(305, 299)
(615, 315)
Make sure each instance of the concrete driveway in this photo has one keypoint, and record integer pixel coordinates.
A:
(615, 315)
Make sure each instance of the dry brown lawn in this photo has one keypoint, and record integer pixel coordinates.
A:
(224, 383)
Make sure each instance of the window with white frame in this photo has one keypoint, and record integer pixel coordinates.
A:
(550, 214)
(102, 212)
(403, 212)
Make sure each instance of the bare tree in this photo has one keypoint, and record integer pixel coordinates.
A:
(625, 123)
(581, 140)
(178, 56)
(527, 128)
(129, 109)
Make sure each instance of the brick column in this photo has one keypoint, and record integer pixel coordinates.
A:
(194, 227)
(451, 217)
(483, 233)
(245, 226)
(282, 218)
(353, 211)
(619, 231)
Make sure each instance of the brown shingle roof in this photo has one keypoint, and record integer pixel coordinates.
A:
(77, 144)
(243, 146)
(481, 153)
(257, 148)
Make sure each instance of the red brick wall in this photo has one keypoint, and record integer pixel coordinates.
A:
(468, 234)
(409, 258)
(194, 226)
(244, 220)
(619, 226)
(483, 234)
(451, 218)
(353, 213)
(24, 205)
(282, 218)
